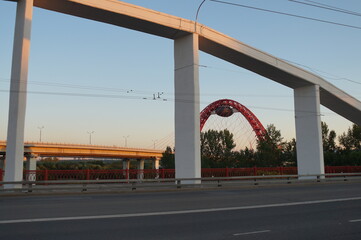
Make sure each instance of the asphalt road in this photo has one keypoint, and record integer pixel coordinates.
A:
(312, 211)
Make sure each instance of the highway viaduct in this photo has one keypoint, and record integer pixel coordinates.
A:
(189, 37)
(32, 151)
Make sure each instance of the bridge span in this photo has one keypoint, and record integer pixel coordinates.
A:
(189, 38)
(34, 150)
(79, 150)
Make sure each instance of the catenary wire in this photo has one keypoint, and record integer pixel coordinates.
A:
(149, 99)
(327, 8)
(287, 14)
(334, 77)
(330, 6)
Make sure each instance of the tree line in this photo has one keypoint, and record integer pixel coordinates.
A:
(217, 150)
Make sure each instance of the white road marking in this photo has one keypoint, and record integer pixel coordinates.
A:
(176, 212)
(248, 233)
(355, 220)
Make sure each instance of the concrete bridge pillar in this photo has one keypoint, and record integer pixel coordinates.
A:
(18, 86)
(30, 162)
(126, 167)
(187, 125)
(156, 163)
(31, 166)
(126, 164)
(308, 131)
(140, 168)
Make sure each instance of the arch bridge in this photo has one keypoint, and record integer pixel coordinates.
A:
(233, 106)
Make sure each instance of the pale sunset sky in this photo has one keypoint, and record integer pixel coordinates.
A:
(90, 76)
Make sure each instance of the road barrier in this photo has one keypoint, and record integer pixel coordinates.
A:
(89, 174)
(61, 186)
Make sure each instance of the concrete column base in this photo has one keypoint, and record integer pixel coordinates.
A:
(155, 163)
(308, 132)
(18, 89)
(126, 167)
(30, 167)
(140, 169)
(187, 109)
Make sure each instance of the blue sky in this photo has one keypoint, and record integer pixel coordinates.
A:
(89, 76)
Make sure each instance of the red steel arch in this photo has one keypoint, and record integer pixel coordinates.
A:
(257, 126)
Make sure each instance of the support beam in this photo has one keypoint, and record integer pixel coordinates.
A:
(31, 162)
(156, 163)
(30, 166)
(18, 86)
(140, 168)
(187, 133)
(126, 167)
(308, 131)
(126, 164)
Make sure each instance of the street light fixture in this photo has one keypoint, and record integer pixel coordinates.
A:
(90, 136)
(199, 8)
(125, 140)
(40, 129)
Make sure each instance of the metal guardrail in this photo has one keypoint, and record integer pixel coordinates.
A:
(175, 183)
(92, 174)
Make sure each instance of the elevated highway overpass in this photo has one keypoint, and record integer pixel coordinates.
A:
(34, 150)
(84, 151)
(189, 37)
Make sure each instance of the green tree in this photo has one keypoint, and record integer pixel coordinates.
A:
(289, 154)
(269, 150)
(245, 158)
(328, 138)
(352, 139)
(216, 148)
(167, 160)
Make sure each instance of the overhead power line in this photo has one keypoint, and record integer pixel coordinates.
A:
(318, 5)
(149, 95)
(317, 71)
(143, 98)
(287, 14)
(333, 7)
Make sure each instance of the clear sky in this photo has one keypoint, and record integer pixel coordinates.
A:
(90, 76)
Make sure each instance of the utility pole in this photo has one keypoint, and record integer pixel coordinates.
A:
(40, 129)
(90, 136)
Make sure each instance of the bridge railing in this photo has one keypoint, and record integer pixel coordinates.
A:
(88, 174)
(63, 186)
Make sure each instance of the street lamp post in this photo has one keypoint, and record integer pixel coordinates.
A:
(90, 136)
(40, 130)
(125, 140)
(199, 8)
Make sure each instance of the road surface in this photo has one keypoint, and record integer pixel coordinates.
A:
(310, 211)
